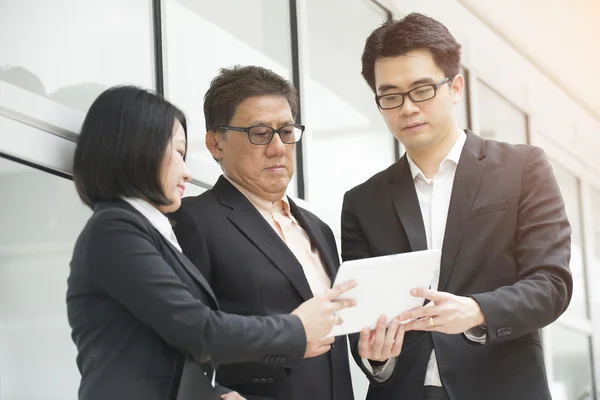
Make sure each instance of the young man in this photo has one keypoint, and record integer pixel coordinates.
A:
(495, 211)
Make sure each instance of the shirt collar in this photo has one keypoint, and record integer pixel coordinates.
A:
(156, 218)
(452, 156)
(262, 205)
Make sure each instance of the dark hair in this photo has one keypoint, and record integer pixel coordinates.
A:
(414, 31)
(122, 143)
(234, 85)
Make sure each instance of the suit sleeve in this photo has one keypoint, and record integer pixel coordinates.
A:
(221, 390)
(354, 242)
(542, 249)
(124, 263)
(355, 247)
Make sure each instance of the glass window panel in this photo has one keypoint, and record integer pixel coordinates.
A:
(349, 140)
(204, 36)
(37, 235)
(569, 187)
(193, 190)
(595, 203)
(594, 268)
(571, 360)
(71, 50)
(499, 119)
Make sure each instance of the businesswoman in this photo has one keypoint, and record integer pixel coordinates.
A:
(145, 322)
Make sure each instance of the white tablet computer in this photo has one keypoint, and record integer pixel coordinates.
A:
(384, 285)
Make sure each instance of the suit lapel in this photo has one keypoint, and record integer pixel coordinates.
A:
(317, 239)
(464, 190)
(193, 271)
(183, 260)
(406, 204)
(258, 231)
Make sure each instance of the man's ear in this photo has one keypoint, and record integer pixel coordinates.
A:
(458, 88)
(213, 141)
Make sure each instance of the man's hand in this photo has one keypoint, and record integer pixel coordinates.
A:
(232, 396)
(318, 347)
(379, 345)
(448, 314)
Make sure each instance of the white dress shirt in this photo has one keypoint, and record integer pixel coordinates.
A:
(434, 201)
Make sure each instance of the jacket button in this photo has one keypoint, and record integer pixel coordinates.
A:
(263, 380)
(332, 346)
(270, 380)
(504, 331)
(255, 380)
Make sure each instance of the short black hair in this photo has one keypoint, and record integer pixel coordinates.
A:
(414, 31)
(234, 85)
(122, 143)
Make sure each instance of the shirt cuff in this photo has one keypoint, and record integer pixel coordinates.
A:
(380, 373)
(477, 334)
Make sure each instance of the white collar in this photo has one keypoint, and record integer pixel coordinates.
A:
(158, 220)
(452, 156)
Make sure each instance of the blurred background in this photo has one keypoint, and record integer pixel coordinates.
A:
(531, 68)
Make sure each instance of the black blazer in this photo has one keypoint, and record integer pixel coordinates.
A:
(138, 309)
(507, 245)
(252, 271)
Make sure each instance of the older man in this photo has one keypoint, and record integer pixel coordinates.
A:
(267, 254)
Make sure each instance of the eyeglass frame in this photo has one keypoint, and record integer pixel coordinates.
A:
(435, 87)
(275, 131)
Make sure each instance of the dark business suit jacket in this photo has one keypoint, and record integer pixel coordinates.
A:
(507, 245)
(252, 271)
(145, 321)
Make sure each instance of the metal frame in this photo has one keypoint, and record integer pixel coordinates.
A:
(296, 80)
(301, 70)
(158, 40)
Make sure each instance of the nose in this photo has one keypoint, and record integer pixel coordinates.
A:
(409, 108)
(186, 173)
(276, 147)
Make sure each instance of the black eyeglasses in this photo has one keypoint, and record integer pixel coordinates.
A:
(416, 95)
(261, 135)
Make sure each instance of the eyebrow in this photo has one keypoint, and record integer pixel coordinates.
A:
(418, 82)
(261, 123)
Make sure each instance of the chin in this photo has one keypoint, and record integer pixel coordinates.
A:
(174, 206)
(417, 141)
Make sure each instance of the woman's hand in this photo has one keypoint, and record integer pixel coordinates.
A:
(318, 314)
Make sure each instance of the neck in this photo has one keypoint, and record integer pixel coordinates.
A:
(429, 158)
(248, 192)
